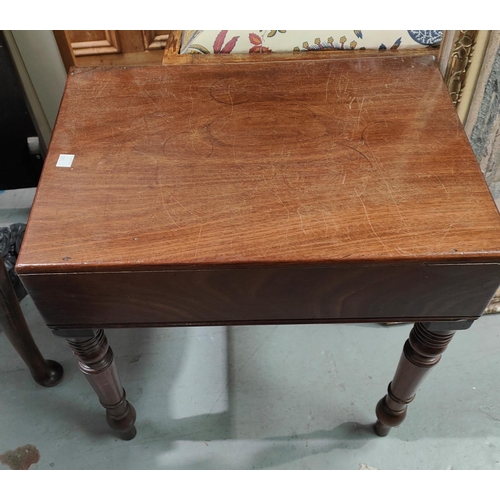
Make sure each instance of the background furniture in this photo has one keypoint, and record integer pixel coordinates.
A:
(21, 155)
(44, 372)
(111, 47)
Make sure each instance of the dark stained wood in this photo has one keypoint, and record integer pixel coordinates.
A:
(239, 179)
(45, 372)
(112, 47)
(64, 46)
(96, 361)
(263, 295)
(421, 352)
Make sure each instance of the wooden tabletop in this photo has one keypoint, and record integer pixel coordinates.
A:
(328, 161)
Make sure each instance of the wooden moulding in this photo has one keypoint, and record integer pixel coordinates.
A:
(155, 41)
(460, 59)
(483, 125)
(110, 45)
(172, 56)
(64, 45)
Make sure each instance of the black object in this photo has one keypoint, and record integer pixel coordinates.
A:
(18, 167)
(11, 238)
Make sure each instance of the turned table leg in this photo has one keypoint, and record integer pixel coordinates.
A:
(421, 352)
(44, 371)
(96, 361)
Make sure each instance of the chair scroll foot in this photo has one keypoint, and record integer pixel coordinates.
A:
(48, 374)
(96, 361)
(421, 352)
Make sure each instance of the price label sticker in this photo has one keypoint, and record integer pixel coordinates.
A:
(65, 160)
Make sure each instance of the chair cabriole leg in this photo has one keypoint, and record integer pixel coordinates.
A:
(45, 372)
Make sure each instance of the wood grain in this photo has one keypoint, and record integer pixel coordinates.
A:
(156, 39)
(421, 352)
(351, 162)
(173, 57)
(323, 161)
(265, 295)
(93, 42)
(64, 46)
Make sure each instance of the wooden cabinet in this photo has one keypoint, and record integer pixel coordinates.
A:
(111, 47)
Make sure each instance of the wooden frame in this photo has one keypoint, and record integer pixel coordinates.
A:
(153, 41)
(460, 60)
(109, 45)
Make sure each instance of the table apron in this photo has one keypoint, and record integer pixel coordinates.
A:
(263, 295)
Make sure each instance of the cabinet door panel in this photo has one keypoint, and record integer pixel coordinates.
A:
(111, 47)
(91, 42)
(155, 40)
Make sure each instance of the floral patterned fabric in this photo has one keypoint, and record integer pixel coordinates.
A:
(242, 42)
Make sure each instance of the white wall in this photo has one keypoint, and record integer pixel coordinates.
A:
(44, 66)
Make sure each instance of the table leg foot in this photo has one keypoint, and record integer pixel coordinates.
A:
(49, 375)
(381, 429)
(421, 352)
(96, 361)
(121, 417)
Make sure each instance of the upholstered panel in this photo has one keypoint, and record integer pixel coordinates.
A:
(241, 42)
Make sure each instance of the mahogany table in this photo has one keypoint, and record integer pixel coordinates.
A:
(334, 190)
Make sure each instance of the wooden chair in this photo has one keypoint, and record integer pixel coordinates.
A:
(45, 372)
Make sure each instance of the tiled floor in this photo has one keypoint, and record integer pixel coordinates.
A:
(286, 397)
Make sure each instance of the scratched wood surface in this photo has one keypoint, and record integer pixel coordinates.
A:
(171, 55)
(281, 191)
(328, 161)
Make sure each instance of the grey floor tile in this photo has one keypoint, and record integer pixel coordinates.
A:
(267, 397)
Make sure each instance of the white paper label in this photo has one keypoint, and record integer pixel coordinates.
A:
(65, 160)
